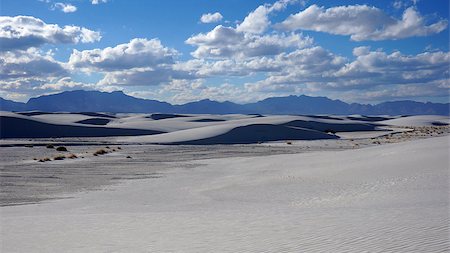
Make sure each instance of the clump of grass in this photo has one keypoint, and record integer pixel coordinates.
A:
(45, 159)
(330, 131)
(59, 157)
(50, 146)
(100, 152)
(72, 156)
(61, 149)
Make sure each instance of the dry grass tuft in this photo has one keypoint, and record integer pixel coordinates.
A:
(72, 156)
(61, 149)
(100, 152)
(45, 159)
(59, 157)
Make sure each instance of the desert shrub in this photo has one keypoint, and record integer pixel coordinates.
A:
(330, 131)
(100, 152)
(289, 142)
(107, 147)
(45, 159)
(119, 148)
(72, 156)
(59, 157)
(50, 146)
(61, 148)
(128, 156)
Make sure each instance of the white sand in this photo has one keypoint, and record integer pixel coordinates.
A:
(420, 120)
(389, 198)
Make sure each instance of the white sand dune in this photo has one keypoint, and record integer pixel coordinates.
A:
(421, 120)
(21, 126)
(201, 129)
(179, 129)
(389, 198)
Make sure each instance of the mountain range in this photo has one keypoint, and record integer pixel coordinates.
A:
(117, 101)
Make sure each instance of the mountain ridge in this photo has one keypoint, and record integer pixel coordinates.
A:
(117, 101)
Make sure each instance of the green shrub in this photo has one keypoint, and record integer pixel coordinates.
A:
(61, 148)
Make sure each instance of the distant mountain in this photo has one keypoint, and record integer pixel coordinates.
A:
(211, 107)
(95, 101)
(298, 105)
(8, 105)
(117, 101)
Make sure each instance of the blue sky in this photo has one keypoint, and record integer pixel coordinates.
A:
(243, 51)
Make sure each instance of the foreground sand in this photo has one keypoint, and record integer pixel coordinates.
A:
(386, 198)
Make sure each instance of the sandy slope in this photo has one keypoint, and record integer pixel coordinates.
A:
(179, 129)
(420, 120)
(390, 198)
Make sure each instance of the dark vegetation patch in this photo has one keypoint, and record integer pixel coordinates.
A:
(63, 149)
(208, 120)
(158, 116)
(323, 117)
(94, 121)
(368, 118)
(437, 123)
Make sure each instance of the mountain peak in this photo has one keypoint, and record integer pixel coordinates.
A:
(118, 101)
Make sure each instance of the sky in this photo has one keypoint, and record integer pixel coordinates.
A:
(235, 50)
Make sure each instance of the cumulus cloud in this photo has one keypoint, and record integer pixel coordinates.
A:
(65, 83)
(139, 62)
(26, 70)
(211, 17)
(258, 21)
(22, 32)
(99, 1)
(316, 69)
(65, 7)
(138, 53)
(362, 22)
(228, 42)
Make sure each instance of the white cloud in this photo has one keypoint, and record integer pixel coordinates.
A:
(141, 62)
(138, 53)
(23, 71)
(317, 70)
(99, 1)
(258, 21)
(362, 22)
(22, 32)
(65, 83)
(223, 42)
(65, 7)
(211, 17)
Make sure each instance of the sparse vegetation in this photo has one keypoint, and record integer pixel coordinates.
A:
(100, 152)
(289, 142)
(128, 156)
(330, 131)
(119, 148)
(50, 146)
(63, 149)
(72, 156)
(59, 157)
(28, 145)
(45, 159)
